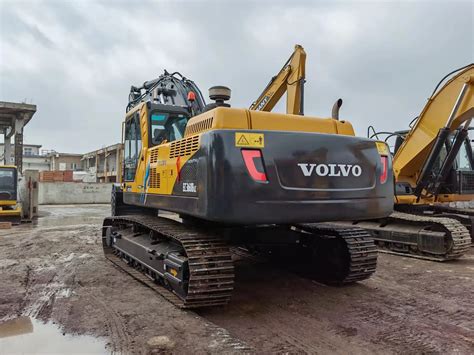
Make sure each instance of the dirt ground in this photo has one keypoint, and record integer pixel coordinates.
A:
(54, 271)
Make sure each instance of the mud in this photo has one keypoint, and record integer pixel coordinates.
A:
(54, 272)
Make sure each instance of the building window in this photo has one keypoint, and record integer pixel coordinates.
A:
(73, 166)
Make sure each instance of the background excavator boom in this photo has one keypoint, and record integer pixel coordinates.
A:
(290, 79)
(448, 109)
(433, 166)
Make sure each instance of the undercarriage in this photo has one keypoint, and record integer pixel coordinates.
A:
(426, 237)
(462, 214)
(191, 265)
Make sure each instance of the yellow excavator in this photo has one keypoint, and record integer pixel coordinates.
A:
(433, 166)
(10, 211)
(239, 178)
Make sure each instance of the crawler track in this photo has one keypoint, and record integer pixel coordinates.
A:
(360, 258)
(332, 254)
(423, 237)
(211, 271)
(463, 215)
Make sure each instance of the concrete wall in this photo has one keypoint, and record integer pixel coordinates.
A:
(55, 193)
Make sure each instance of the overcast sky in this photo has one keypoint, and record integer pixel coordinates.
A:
(77, 59)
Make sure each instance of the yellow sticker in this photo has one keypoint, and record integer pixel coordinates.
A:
(249, 140)
(382, 148)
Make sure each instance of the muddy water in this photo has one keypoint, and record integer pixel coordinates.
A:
(67, 215)
(25, 335)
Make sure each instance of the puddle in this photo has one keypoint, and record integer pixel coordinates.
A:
(67, 215)
(25, 335)
(68, 221)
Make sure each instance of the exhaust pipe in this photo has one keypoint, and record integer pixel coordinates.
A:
(335, 109)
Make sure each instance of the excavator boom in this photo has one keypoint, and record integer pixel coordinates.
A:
(447, 109)
(290, 79)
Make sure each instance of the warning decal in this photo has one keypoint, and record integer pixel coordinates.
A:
(250, 140)
(382, 148)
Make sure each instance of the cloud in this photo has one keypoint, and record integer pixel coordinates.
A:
(77, 60)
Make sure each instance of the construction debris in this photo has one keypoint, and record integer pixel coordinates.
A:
(5, 225)
(56, 176)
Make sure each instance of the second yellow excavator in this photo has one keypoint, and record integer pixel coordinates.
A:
(433, 166)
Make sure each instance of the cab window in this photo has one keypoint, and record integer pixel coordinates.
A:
(158, 129)
(166, 127)
(7, 184)
(463, 160)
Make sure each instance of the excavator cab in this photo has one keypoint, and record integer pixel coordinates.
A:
(166, 123)
(460, 178)
(9, 209)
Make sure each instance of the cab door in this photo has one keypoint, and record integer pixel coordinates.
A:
(132, 151)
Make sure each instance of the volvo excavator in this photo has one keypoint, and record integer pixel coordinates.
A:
(433, 166)
(200, 179)
(10, 211)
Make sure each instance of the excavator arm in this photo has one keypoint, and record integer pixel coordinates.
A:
(290, 79)
(449, 111)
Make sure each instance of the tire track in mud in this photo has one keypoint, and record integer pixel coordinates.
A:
(43, 284)
(26, 284)
(40, 291)
(221, 337)
(119, 335)
(122, 326)
(278, 329)
(290, 340)
(403, 317)
(395, 311)
(417, 327)
(274, 319)
(45, 279)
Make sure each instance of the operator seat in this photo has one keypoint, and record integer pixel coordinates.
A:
(159, 136)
